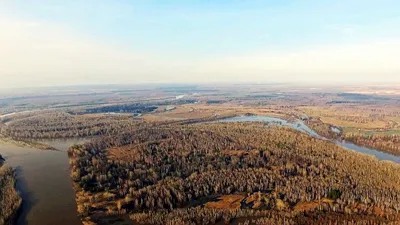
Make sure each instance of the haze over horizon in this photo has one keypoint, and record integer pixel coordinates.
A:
(119, 42)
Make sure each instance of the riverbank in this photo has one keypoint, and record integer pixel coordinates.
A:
(10, 201)
(29, 144)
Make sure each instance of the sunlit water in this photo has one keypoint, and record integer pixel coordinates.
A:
(44, 183)
(299, 125)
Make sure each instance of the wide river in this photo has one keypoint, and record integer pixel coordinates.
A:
(44, 183)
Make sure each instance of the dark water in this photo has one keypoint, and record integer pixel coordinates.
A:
(44, 183)
(299, 125)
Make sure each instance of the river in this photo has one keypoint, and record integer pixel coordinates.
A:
(44, 183)
(299, 125)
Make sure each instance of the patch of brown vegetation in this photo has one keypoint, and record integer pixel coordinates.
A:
(307, 206)
(255, 200)
(226, 202)
(378, 211)
(374, 210)
(130, 152)
(240, 153)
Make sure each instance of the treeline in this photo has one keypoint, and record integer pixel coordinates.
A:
(323, 129)
(131, 108)
(389, 143)
(386, 143)
(64, 125)
(10, 201)
(175, 102)
(26, 143)
(167, 168)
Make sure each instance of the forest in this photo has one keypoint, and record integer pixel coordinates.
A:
(387, 143)
(64, 125)
(58, 124)
(230, 172)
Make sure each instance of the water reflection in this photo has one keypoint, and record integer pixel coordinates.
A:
(29, 200)
(44, 183)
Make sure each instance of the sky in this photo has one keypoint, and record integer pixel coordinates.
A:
(57, 42)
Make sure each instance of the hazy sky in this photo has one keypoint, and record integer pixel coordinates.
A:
(51, 42)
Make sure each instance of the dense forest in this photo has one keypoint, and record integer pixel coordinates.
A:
(10, 201)
(64, 125)
(230, 172)
(386, 143)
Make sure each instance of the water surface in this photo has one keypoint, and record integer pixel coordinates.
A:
(44, 183)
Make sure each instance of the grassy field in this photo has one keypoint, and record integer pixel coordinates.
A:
(374, 126)
(352, 130)
(370, 117)
(197, 111)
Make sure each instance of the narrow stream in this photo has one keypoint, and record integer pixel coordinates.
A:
(44, 183)
(299, 125)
